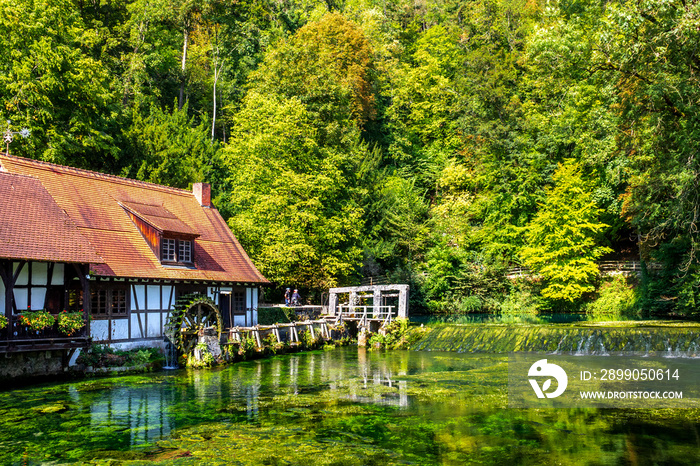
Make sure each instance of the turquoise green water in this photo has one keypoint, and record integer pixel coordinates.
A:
(339, 407)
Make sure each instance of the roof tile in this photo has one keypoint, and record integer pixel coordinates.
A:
(96, 203)
(34, 227)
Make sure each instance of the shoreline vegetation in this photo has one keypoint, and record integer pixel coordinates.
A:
(437, 145)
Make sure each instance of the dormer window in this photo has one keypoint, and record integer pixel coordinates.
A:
(185, 251)
(176, 250)
(171, 240)
(168, 254)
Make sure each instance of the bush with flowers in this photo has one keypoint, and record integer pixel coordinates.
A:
(70, 322)
(36, 320)
(3, 322)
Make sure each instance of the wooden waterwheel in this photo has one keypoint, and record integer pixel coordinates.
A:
(193, 312)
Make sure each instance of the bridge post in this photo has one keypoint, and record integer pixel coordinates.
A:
(403, 301)
(332, 302)
(353, 301)
(376, 303)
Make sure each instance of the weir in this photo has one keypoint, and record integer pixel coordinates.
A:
(579, 339)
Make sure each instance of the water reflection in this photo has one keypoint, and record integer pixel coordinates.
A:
(386, 408)
(150, 409)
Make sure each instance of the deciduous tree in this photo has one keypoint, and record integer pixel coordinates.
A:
(562, 243)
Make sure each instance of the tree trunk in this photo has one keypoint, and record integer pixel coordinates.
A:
(213, 119)
(181, 102)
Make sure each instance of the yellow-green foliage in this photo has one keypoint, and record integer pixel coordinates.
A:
(395, 336)
(561, 239)
(615, 298)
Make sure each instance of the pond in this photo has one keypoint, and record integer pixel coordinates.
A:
(345, 406)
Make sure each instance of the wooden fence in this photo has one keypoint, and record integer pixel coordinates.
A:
(605, 267)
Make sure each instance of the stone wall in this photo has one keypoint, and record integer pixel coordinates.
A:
(31, 364)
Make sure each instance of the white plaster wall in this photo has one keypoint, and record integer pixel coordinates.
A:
(38, 297)
(120, 329)
(239, 321)
(153, 297)
(248, 298)
(40, 273)
(99, 330)
(23, 278)
(139, 296)
(2, 298)
(166, 297)
(135, 329)
(58, 273)
(127, 345)
(155, 329)
(21, 298)
(212, 295)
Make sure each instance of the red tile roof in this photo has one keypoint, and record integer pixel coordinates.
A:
(160, 218)
(98, 203)
(34, 227)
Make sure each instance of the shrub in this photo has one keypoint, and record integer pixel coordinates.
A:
(522, 300)
(105, 356)
(393, 336)
(615, 298)
(247, 347)
(140, 357)
(206, 359)
(307, 340)
(469, 304)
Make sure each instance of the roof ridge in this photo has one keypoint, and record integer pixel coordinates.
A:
(91, 174)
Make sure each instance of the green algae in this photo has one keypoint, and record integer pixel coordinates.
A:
(336, 407)
(583, 338)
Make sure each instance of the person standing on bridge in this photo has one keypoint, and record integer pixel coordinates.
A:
(296, 298)
(287, 297)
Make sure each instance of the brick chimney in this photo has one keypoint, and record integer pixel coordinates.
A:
(202, 191)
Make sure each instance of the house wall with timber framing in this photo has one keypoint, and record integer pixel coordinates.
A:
(131, 313)
(121, 250)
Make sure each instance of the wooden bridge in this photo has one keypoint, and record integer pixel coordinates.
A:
(376, 312)
(289, 332)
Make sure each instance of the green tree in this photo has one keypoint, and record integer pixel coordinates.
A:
(51, 82)
(424, 106)
(328, 66)
(562, 237)
(172, 149)
(287, 197)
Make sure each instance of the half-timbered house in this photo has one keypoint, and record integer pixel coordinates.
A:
(119, 249)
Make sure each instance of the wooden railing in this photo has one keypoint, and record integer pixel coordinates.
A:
(605, 267)
(378, 280)
(259, 332)
(19, 338)
(365, 313)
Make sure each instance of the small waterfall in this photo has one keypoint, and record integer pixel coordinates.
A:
(580, 339)
(171, 353)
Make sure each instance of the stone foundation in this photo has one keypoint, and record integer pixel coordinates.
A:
(32, 364)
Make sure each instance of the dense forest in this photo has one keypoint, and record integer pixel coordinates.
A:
(435, 142)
